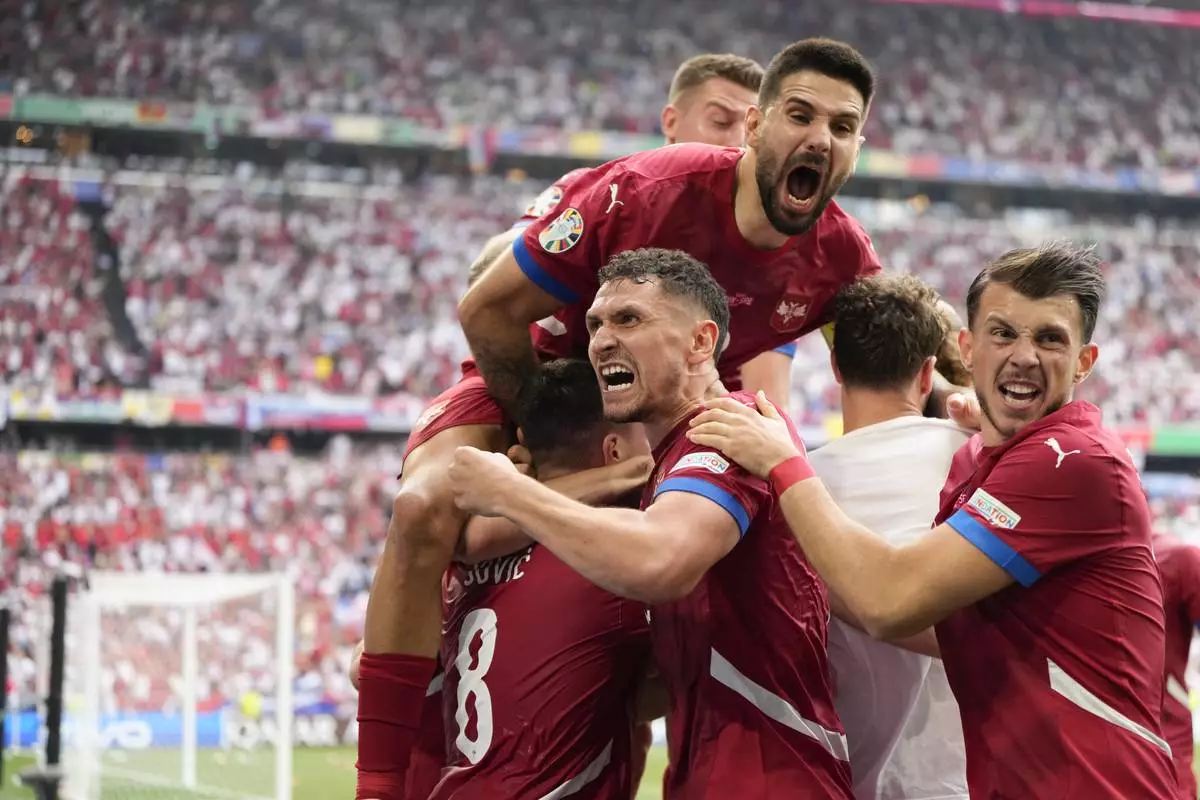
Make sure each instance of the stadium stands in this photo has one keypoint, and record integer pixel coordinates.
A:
(354, 294)
(976, 83)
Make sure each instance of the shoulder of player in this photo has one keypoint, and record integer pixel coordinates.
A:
(684, 164)
(1066, 451)
(844, 232)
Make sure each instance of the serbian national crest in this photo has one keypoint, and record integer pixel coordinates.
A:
(430, 414)
(563, 233)
(790, 313)
(545, 202)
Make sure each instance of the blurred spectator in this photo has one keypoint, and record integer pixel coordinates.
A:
(959, 82)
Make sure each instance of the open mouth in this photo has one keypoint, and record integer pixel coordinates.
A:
(803, 184)
(1020, 394)
(616, 378)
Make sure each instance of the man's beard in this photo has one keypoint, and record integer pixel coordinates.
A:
(770, 178)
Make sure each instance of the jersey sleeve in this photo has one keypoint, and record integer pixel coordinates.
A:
(706, 472)
(1039, 509)
(1188, 581)
(548, 200)
(860, 251)
(596, 218)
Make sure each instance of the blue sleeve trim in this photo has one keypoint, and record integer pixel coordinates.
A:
(994, 548)
(540, 277)
(713, 492)
(788, 350)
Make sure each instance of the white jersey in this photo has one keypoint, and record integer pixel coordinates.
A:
(901, 721)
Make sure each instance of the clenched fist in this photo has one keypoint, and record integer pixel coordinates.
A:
(480, 480)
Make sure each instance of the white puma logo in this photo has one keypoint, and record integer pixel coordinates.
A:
(1053, 444)
(613, 201)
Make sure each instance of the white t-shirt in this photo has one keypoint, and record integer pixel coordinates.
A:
(902, 723)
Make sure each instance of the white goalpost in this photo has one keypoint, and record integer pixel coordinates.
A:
(162, 670)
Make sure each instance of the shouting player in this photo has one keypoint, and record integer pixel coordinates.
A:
(708, 101)
(1179, 565)
(1039, 573)
(764, 220)
(542, 667)
(900, 718)
(739, 619)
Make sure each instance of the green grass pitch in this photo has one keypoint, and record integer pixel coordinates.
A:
(320, 774)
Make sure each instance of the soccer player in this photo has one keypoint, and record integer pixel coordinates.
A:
(1039, 573)
(543, 667)
(782, 250)
(900, 718)
(1179, 566)
(739, 619)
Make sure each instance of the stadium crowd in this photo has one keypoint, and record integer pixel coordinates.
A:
(976, 83)
(372, 276)
(319, 517)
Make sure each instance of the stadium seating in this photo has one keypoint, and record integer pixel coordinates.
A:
(976, 82)
(321, 517)
(335, 292)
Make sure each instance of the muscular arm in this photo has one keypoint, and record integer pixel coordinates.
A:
(895, 592)
(492, 537)
(495, 315)
(924, 643)
(653, 556)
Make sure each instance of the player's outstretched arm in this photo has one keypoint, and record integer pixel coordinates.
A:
(895, 592)
(493, 537)
(495, 314)
(653, 556)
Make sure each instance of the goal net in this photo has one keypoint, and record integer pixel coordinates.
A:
(179, 686)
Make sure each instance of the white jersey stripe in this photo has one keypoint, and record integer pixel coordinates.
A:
(1077, 693)
(776, 708)
(435, 685)
(1177, 690)
(589, 774)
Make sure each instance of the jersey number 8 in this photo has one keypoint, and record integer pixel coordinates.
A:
(471, 672)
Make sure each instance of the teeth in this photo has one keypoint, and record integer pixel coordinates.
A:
(613, 369)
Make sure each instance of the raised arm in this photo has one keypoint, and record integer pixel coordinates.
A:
(495, 314)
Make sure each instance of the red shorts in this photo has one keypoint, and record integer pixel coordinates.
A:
(465, 403)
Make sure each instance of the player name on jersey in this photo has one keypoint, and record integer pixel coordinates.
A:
(496, 571)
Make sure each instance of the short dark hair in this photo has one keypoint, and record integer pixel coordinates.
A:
(1041, 272)
(886, 326)
(564, 409)
(828, 57)
(745, 72)
(678, 274)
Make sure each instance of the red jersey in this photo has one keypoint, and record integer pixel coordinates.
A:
(680, 197)
(744, 655)
(429, 756)
(1059, 677)
(542, 673)
(548, 200)
(1179, 566)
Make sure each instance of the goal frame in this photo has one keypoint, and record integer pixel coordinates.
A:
(187, 592)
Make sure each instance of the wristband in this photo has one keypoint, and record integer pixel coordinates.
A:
(789, 473)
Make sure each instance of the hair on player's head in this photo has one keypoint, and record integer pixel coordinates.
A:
(745, 72)
(886, 327)
(828, 57)
(1039, 272)
(678, 275)
(564, 412)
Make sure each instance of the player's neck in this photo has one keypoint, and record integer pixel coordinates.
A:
(748, 210)
(863, 407)
(703, 388)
